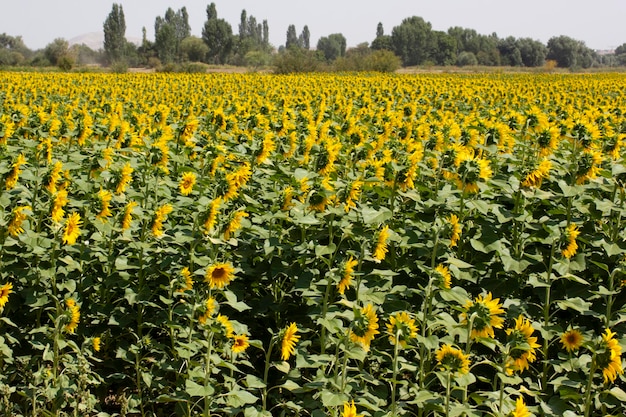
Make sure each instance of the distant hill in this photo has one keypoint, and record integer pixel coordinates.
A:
(95, 40)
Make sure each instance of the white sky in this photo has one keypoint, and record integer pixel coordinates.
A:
(600, 23)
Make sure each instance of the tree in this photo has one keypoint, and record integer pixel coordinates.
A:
(305, 38)
(382, 41)
(115, 34)
(169, 31)
(509, 52)
(58, 53)
(193, 49)
(13, 51)
(380, 30)
(332, 47)
(444, 49)
(569, 52)
(217, 34)
(292, 38)
(533, 52)
(412, 41)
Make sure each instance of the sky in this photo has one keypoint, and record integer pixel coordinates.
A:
(599, 23)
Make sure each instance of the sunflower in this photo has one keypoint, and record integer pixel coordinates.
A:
(353, 195)
(234, 224)
(402, 326)
(289, 340)
(226, 325)
(60, 201)
(5, 290)
(365, 326)
(452, 360)
(186, 275)
(348, 270)
(159, 217)
(523, 345)
(72, 229)
(571, 234)
(210, 306)
(219, 275)
(572, 340)
(125, 178)
(588, 166)
(105, 201)
(186, 183)
(609, 358)
(520, 409)
(381, 244)
(128, 215)
(535, 178)
(485, 315)
(211, 219)
(442, 273)
(470, 171)
(455, 230)
(96, 343)
(240, 343)
(349, 410)
(15, 226)
(73, 312)
(267, 148)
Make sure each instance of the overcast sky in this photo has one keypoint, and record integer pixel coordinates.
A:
(600, 23)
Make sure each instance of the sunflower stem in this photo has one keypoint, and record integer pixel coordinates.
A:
(207, 374)
(546, 317)
(589, 385)
(394, 373)
(448, 389)
(268, 357)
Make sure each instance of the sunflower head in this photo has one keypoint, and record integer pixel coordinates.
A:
(401, 328)
(484, 314)
(364, 326)
(219, 275)
(240, 343)
(522, 345)
(452, 360)
(609, 357)
(572, 340)
(289, 338)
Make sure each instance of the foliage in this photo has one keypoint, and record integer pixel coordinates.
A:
(169, 32)
(115, 34)
(218, 36)
(332, 46)
(296, 60)
(357, 244)
(569, 52)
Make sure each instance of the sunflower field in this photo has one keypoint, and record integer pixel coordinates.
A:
(316, 245)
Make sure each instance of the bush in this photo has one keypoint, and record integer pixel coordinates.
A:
(466, 58)
(296, 60)
(65, 62)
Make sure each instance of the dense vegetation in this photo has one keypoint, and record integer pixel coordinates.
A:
(312, 245)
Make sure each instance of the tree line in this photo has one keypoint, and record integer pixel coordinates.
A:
(412, 42)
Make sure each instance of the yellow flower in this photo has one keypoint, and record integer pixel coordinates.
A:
(349, 410)
(105, 200)
(234, 224)
(588, 166)
(210, 306)
(381, 245)
(452, 360)
(227, 326)
(186, 183)
(610, 359)
(485, 315)
(353, 195)
(443, 273)
(348, 270)
(240, 343)
(572, 340)
(571, 234)
(73, 311)
(54, 177)
(72, 229)
(186, 274)
(219, 275)
(365, 326)
(15, 226)
(5, 290)
(211, 219)
(267, 148)
(535, 178)
(402, 326)
(128, 215)
(159, 218)
(125, 178)
(287, 197)
(455, 230)
(236, 180)
(13, 176)
(520, 409)
(60, 201)
(289, 340)
(96, 343)
(470, 171)
(523, 345)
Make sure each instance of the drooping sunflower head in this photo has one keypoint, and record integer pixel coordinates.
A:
(220, 275)
(442, 276)
(609, 357)
(5, 290)
(455, 229)
(452, 360)
(520, 409)
(364, 326)
(225, 326)
(289, 338)
(401, 327)
(348, 272)
(349, 410)
(484, 314)
(522, 345)
(471, 170)
(569, 238)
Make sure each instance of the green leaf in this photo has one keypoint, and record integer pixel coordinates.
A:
(372, 216)
(196, 390)
(253, 381)
(240, 398)
(618, 393)
(576, 304)
(332, 399)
